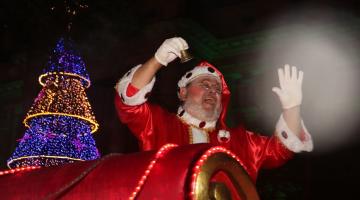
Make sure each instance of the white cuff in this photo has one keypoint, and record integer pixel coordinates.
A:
(290, 140)
(160, 60)
(141, 96)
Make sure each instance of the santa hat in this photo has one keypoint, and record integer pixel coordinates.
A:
(205, 68)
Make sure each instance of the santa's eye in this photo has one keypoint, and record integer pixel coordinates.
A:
(207, 86)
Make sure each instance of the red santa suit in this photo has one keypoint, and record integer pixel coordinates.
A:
(154, 126)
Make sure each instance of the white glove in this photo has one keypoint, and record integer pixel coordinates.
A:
(170, 49)
(290, 92)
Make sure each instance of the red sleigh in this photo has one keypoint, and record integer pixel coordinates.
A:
(187, 172)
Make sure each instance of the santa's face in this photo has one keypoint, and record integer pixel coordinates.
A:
(202, 98)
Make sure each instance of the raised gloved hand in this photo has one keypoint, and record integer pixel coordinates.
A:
(290, 91)
(170, 49)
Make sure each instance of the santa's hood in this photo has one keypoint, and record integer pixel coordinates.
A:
(205, 68)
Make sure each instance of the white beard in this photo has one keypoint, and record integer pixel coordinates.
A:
(198, 112)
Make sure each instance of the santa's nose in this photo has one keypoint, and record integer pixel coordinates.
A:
(212, 90)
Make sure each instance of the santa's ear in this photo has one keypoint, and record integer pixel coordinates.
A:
(182, 93)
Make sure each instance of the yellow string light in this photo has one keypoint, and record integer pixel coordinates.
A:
(42, 77)
(42, 156)
(94, 125)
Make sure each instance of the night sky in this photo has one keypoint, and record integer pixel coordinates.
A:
(113, 36)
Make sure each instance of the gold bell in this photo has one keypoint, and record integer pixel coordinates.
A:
(185, 56)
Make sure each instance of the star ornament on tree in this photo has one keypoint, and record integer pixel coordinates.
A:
(78, 144)
(24, 138)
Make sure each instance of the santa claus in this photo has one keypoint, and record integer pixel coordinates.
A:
(201, 116)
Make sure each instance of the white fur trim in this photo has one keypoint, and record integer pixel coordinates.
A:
(223, 134)
(290, 140)
(199, 136)
(139, 97)
(188, 119)
(196, 72)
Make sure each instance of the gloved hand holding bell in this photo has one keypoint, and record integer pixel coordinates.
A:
(171, 49)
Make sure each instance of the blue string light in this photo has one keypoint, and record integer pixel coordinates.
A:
(53, 140)
(65, 59)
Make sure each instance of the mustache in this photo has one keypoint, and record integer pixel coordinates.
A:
(211, 98)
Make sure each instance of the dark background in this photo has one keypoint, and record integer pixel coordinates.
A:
(113, 36)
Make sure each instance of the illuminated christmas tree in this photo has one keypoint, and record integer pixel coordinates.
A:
(60, 122)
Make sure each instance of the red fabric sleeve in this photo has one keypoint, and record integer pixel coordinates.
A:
(257, 151)
(131, 90)
(138, 118)
(275, 153)
(145, 121)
